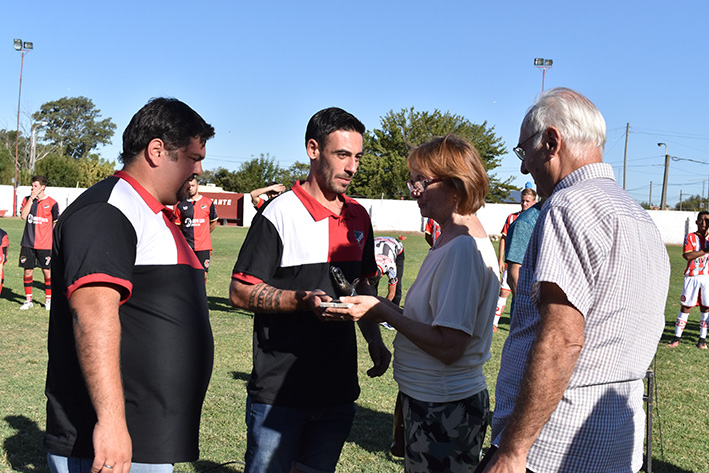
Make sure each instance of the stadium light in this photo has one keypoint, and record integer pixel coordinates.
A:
(23, 48)
(543, 65)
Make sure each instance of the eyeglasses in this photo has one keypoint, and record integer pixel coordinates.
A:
(420, 185)
(518, 149)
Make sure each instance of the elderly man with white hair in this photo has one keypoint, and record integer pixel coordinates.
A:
(589, 311)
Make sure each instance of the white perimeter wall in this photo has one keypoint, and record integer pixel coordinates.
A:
(396, 215)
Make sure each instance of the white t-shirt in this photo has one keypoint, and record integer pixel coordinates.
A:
(457, 287)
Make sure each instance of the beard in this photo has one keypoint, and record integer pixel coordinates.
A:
(330, 178)
(184, 192)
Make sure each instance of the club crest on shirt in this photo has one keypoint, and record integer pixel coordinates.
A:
(359, 236)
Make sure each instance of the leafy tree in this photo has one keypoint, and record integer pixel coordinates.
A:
(73, 125)
(7, 155)
(61, 170)
(251, 175)
(693, 202)
(257, 172)
(296, 172)
(93, 169)
(383, 172)
(221, 177)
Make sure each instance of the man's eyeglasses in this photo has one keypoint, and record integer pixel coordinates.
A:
(420, 185)
(518, 149)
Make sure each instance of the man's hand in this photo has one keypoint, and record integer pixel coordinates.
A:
(112, 447)
(312, 301)
(381, 357)
(506, 464)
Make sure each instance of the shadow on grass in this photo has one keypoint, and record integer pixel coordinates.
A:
(11, 295)
(223, 304)
(659, 466)
(220, 303)
(24, 449)
(239, 376)
(371, 429)
(204, 466)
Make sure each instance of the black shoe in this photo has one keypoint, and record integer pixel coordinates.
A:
(702, 343)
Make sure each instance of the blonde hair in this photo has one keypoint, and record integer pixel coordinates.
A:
(457, 163)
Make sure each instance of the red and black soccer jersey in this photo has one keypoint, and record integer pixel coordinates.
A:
(117, 233)
(194, 218)
(300, 361)
(4, 244)
(40, 223)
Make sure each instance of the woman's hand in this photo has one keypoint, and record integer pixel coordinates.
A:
(362, 307)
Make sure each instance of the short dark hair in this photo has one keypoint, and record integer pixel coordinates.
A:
(703, 212)
(328, 120)
(168, 119)
(41, 179)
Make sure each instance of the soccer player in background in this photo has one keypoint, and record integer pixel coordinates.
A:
(40, 211)
(197, 218)
(695, 290)
(431, 232)
(4, 244)
(274, 189)
(389, 253)
(527, 199)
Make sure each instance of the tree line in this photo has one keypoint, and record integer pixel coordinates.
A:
(69, 130)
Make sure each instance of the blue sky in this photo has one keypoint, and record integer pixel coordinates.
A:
(257, 71)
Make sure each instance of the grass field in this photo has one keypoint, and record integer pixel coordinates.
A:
(680, 411)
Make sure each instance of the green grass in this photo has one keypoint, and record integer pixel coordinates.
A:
(680, 413)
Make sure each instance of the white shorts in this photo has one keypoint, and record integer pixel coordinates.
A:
(694, 289)
(503, 281)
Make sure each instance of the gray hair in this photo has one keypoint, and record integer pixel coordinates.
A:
(578, 120)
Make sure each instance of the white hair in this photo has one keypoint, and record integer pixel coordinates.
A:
(581, 125)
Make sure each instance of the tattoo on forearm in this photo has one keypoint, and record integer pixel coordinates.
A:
(266, 298)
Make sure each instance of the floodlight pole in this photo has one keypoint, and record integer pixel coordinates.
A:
(23, 48)
(543, 65)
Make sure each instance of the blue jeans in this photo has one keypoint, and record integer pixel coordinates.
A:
(310, 438)
(59, 464)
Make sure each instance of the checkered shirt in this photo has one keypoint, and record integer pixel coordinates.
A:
(604, 251)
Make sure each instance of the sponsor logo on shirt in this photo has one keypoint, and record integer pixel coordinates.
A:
(36, 220)
(194, 222)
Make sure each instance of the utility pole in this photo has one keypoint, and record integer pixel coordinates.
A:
(625, 156)
(680, 199)
(650, 193)
(663, 202)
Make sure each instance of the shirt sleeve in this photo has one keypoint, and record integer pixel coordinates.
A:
(369, 262)
(5, 245)
(517, 241)
(456, 287)
(212, 212)
(98, 245)
(568, 257)
(260, 255)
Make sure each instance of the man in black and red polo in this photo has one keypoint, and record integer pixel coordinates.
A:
(130, 343)
(303, 384)
(40, 211)
(197, 218)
